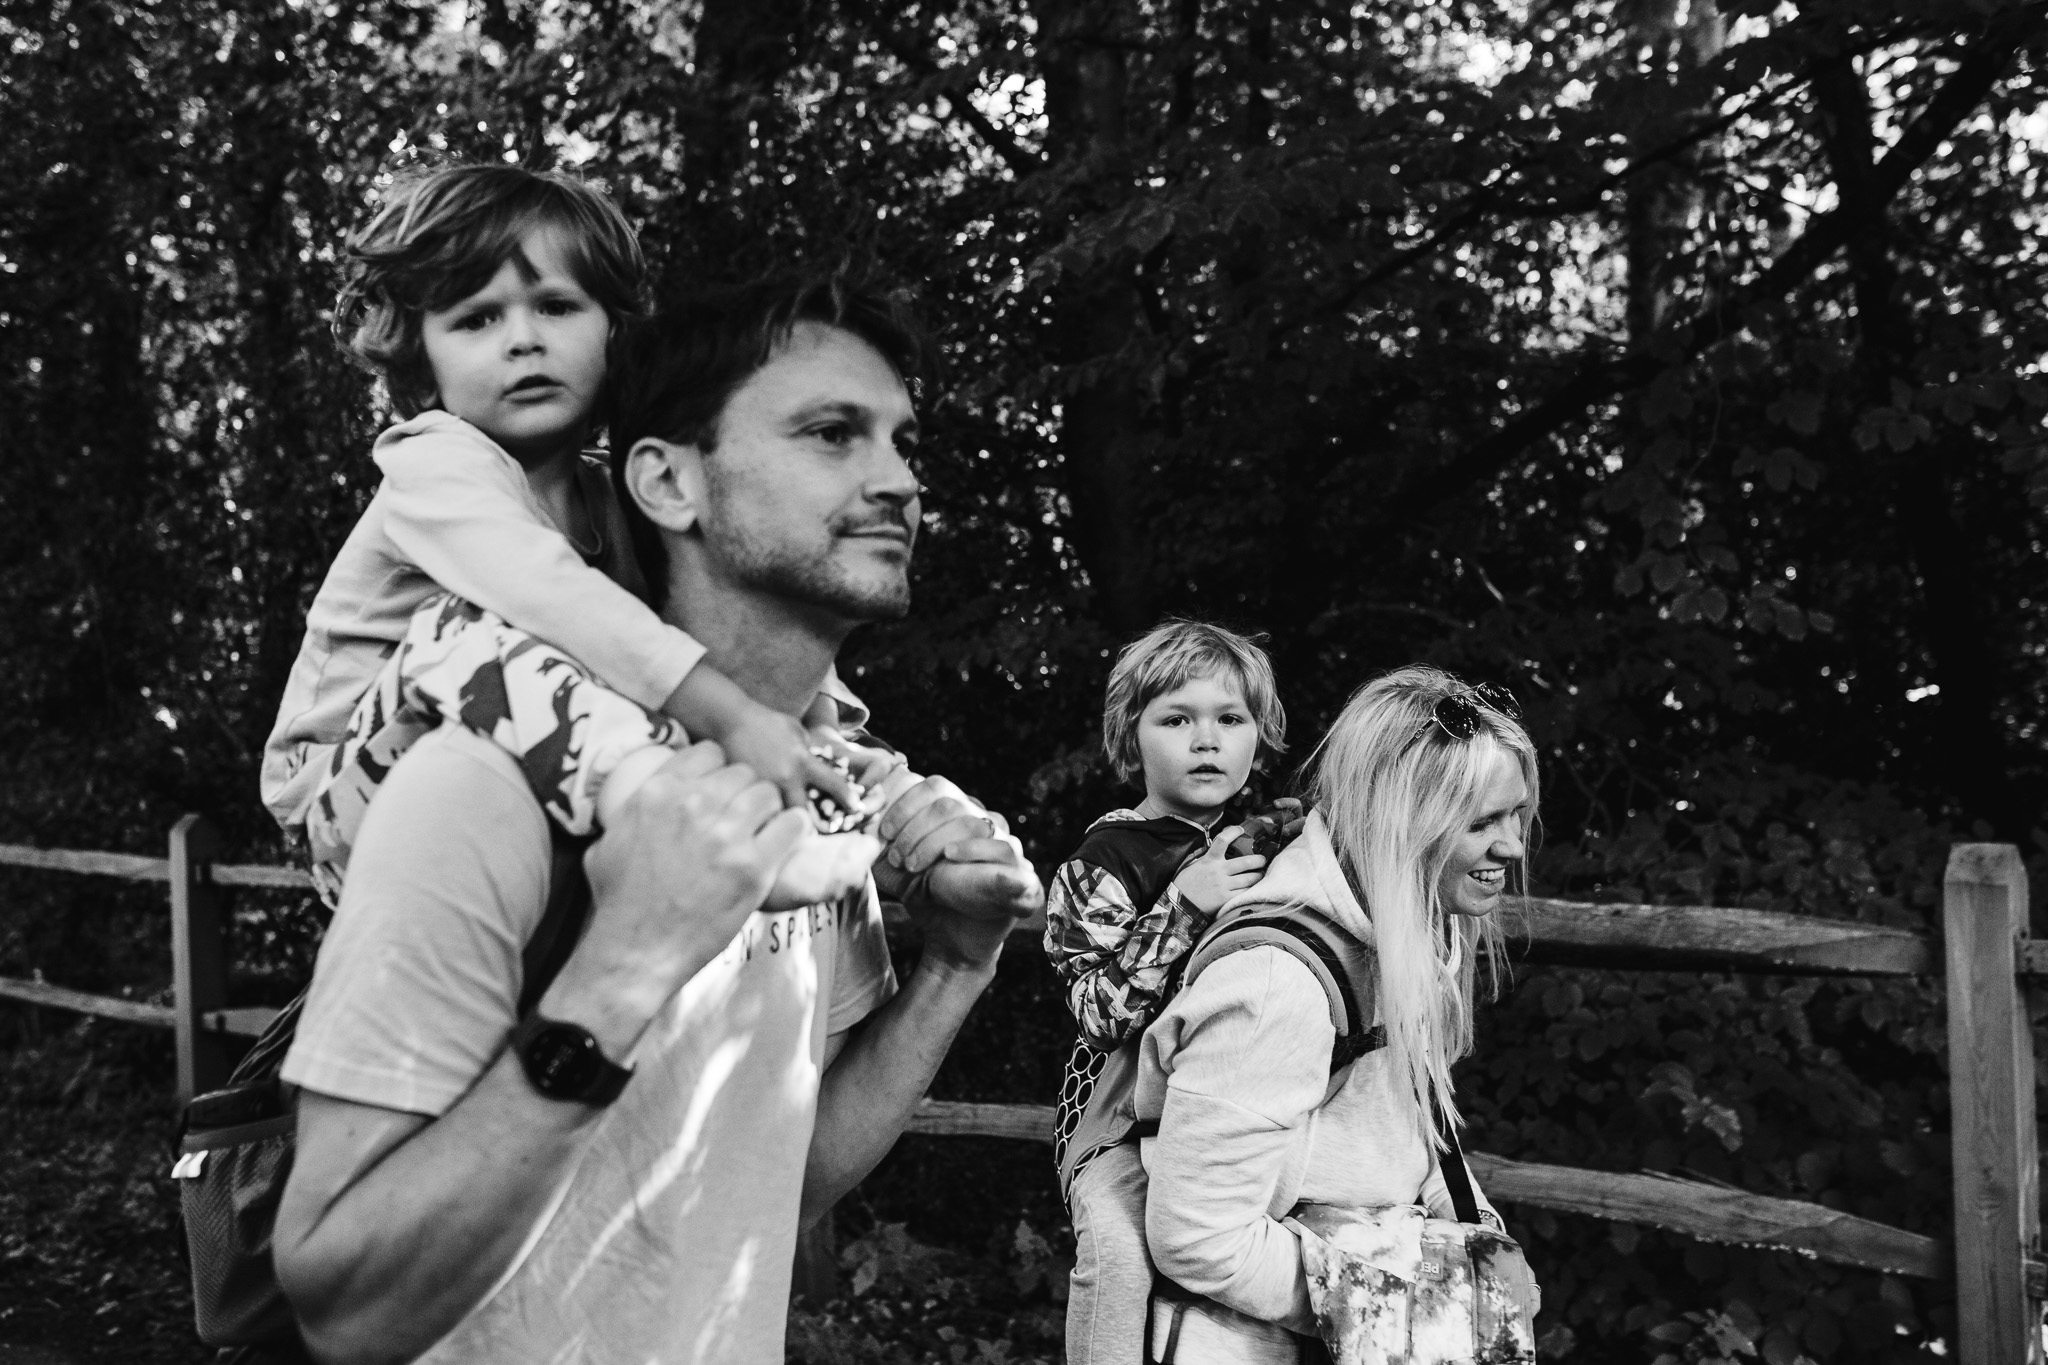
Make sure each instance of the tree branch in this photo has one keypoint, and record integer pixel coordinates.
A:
(1020, 158)
(1601, 379)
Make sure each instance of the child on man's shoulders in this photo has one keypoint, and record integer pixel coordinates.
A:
(485, 297)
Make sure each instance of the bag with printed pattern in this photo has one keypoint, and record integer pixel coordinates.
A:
(1393, 1286)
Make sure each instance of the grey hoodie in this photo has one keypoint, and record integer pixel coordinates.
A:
(1236, 1070)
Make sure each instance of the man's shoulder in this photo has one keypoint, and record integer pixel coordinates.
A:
(453, 806)
(456, 755)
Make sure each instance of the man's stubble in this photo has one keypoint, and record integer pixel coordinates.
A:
(810, 574)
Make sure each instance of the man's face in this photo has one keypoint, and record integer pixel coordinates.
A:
(808, 494)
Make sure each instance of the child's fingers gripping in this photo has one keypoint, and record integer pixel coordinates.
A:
(831, 780)
(1219, 843)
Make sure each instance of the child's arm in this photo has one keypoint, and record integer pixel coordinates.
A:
(1115, 959)
(459, 509)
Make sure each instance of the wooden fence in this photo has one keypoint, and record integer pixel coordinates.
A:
(1985, 953)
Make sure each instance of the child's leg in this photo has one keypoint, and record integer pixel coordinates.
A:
(462, 664)
(1112, 1279)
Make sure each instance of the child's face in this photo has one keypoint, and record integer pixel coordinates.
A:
(1197, 743)
(523, 358)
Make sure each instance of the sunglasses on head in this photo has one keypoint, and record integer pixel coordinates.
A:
(1459, 714)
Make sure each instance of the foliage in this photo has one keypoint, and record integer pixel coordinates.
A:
(88, 1216)
(1678, 365)
(910, 1302)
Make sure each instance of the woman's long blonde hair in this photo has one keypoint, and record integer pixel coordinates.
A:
(1395, 789)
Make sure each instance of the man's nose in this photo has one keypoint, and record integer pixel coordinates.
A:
(891, 479)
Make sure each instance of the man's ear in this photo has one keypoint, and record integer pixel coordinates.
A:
(666, 479)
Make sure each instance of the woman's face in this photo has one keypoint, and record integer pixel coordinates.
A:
(1491, 839)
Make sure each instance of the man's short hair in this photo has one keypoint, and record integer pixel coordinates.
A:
(441, 234)
(673, 374)
(1171, 655)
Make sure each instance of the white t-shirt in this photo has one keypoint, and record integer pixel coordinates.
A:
(674, 1240)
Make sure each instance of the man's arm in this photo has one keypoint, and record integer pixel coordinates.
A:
(968, 883)
(394, 1226)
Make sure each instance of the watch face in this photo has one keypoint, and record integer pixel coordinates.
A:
(563, 1060)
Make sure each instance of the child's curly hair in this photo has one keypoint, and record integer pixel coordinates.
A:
(441, 235)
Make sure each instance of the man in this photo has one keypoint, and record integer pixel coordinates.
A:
(471, 1186)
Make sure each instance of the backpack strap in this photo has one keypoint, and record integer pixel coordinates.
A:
(1457, 1180)
(560, 928)
(1312, 940)
(561, 923)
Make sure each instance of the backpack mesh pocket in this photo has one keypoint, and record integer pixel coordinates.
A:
(230, 1180)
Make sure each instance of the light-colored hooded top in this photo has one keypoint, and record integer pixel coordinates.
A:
(1236, 1070)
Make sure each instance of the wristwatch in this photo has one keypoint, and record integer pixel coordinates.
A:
(565, 1063)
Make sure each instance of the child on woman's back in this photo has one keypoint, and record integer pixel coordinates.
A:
(485, 296)
(1189, 708)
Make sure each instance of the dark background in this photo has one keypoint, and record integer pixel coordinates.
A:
(1677, 366)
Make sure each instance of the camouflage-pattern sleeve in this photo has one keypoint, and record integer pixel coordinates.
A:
(461, 665)
(1118, 961)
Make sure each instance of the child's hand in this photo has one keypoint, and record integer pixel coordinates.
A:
(1210, 880)
(882, 773)
(778, 749)
(822, 868)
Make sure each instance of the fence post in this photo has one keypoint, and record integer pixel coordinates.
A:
(1991, 1105)
(199, 975)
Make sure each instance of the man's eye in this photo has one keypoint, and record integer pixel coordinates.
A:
(833, 433)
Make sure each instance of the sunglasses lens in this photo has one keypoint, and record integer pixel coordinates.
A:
(1457, 716)
(1498, 699)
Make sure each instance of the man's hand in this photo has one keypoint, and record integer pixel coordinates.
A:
(1210, 880)
(691, 855)
(959, 871)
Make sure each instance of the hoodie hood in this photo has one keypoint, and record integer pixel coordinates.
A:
(1307, 872)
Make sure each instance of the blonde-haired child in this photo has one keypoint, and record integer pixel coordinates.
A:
(1188, 710)
(485, 297)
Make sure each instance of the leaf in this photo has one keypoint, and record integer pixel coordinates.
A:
(1799, 410)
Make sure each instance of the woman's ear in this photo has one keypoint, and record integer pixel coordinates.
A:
(666, 480)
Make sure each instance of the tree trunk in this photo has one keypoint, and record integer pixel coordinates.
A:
(1662, 199)
(1964, 750)
(1105, 448)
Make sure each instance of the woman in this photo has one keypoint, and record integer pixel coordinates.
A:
(1425, 791)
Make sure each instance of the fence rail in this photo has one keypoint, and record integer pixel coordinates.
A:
(1985, 953)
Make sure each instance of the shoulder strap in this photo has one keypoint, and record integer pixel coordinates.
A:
(1457, 1180)
(561, 924)
(1306, 937)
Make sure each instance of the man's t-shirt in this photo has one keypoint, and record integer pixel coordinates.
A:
(674, 1239)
